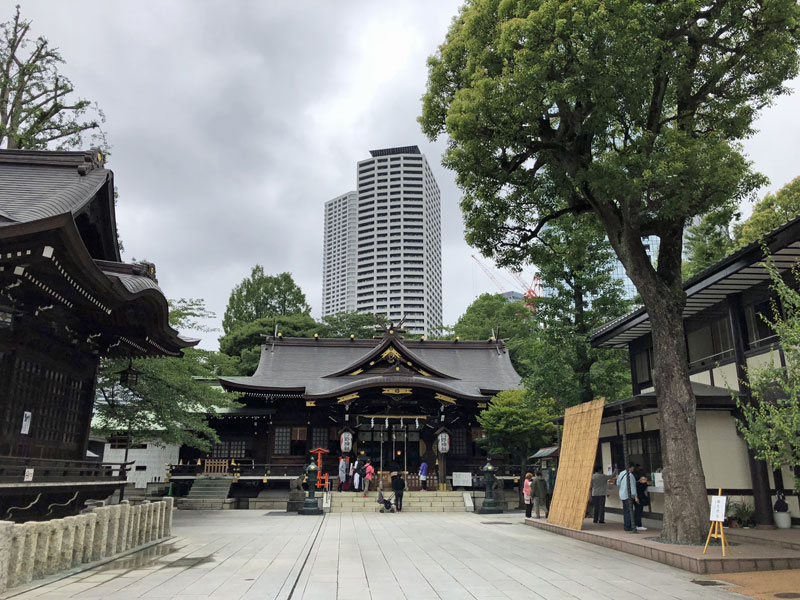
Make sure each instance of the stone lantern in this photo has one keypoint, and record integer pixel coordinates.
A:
(310, 506)
(489, 505)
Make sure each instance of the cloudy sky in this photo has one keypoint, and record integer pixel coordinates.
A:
(231, 123)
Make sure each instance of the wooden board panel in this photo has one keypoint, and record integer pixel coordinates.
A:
(576, 463)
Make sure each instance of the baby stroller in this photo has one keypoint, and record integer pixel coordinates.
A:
(387, 504)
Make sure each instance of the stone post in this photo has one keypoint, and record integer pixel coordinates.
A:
(88, 540)
(124, 525)
(54, 545)
(42, 548)
(144, 526)
(14, 556)
(113, 529)
(67, 543)
(170, 501)
(158, 515)
(6, 528)
(25, 569)
(81, 523)
(133, 534)
(100, 533)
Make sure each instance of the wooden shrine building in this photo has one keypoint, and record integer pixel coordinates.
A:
(66, 301)
(394, 395)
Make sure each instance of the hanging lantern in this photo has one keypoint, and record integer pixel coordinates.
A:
(444, 442)
(346, 441)
(129, 377)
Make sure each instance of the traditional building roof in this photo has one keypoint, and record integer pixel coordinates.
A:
(60, 261)
(736, 272)
(332, 368)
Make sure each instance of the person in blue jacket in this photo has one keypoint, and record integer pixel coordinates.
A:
(423, 476)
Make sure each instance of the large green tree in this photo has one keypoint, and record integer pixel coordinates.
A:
(343, 324)
(262, 295)
(630, 111)
(37, 109)
(770, 212)
(170, 402)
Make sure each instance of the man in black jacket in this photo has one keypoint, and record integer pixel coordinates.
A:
(398, 487)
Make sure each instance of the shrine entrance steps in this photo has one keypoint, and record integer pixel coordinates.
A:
(412, 502)
(208, 493)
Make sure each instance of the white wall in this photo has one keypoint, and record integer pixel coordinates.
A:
(153, 458)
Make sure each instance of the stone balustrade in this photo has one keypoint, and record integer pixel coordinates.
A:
(38, 549)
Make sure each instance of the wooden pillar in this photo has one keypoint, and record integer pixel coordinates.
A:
(759, 473)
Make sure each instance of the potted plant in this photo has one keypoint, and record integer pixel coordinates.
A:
(744, 513)
(783, 520)
(730, 513)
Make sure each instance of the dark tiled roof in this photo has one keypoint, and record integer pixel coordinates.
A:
(36, 185)
(296, 364)
(398, 150)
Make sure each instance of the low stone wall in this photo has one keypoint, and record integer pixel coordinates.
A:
(38, 549)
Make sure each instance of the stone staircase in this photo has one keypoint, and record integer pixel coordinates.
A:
(208, 493)
(412, 502)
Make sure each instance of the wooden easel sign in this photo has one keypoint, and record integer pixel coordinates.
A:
(717, 517)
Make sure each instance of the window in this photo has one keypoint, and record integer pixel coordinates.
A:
(709, 343)
(319, 437)
(458, 442)
(282, 436)
(759, 332)
(642, 363)
(229, 449)
(298, 444)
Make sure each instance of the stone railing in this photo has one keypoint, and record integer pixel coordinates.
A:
(38, 549)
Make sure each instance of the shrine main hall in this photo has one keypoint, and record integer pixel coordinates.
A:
(388, 399)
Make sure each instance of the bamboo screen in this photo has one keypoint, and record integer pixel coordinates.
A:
(575, 465)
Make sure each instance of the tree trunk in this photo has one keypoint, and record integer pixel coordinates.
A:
(686, 508)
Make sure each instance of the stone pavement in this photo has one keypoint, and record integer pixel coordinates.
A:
(251, 554)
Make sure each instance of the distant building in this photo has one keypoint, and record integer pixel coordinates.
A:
(512, 296)
(651, 245)
(339, 255)
(383, 246)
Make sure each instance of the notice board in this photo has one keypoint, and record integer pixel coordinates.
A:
(576, 463)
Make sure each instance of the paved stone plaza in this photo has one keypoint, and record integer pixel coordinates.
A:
(252, 554)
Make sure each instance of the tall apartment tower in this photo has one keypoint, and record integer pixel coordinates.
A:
(398, 246)
(339, 255)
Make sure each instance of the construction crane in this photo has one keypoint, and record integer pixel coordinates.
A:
(530, 291)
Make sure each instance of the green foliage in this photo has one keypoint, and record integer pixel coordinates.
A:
(341, 325)
(515, 425)
(35, 105)
(709, 240)
(771, 423)
(260, 296)
(770, 212)
(245, 340)
(170, 402)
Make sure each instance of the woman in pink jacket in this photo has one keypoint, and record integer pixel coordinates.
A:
(526, 495)
(368, 477)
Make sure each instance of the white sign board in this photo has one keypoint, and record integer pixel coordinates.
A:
(658, 479)
(26, 422)
(462, 479)
(718, 508)
(28, 475)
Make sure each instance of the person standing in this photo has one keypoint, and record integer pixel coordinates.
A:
(539, 489)
(526, 495)
(423, 476)
(342, 472)
(369, 473)
(398, 487)
(355, 473)
(627, 493)
(599, 493)
(642, 500)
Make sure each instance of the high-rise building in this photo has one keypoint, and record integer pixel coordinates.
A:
(339, 255)
(651, 245)
(398, 247)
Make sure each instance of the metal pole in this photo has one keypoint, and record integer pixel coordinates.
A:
(405, 451)
(380, 479)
